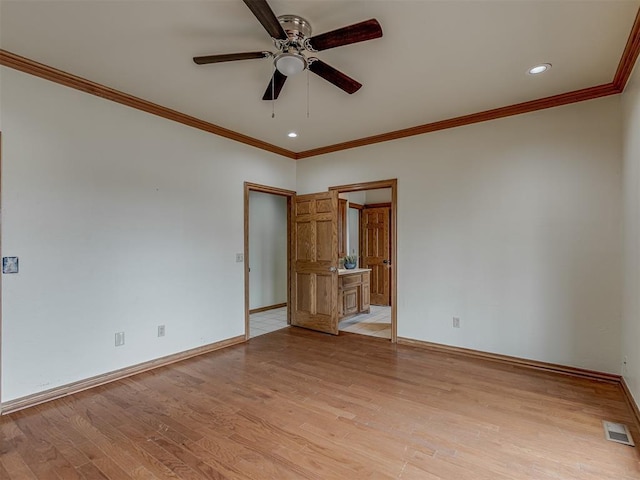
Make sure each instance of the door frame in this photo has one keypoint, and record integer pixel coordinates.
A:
(393, 236)
(288, 194)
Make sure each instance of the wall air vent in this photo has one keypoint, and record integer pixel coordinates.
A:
(617, 432)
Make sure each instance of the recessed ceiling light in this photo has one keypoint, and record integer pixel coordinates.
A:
(292, 134)
(543, 67)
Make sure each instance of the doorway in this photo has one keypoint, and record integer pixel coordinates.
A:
(316, 286)
(267, 239)
(373, 205)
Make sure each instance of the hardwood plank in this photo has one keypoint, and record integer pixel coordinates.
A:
(298, 404)
(97, 439)
(14, 466)
(229, 458)
(36, 446)
(91, 472)
(3, 472)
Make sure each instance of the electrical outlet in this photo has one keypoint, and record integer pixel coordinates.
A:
(119, 339)
(161, 330)
(456, 322)
(239, 257)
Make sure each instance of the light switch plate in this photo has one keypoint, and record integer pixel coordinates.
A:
(239, 257)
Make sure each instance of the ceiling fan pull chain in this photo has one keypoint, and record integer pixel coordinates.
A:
(307, 93)
(273, 96)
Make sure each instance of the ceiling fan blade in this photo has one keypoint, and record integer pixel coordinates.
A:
(229, 57)
(264, 14)
(275, 86)
(358, 32)
(334, 76)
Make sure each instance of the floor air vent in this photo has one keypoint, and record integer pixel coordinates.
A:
(617, 432)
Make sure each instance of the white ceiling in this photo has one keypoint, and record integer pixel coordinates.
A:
(436, 59)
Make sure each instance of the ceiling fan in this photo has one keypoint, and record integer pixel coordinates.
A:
(291, 37)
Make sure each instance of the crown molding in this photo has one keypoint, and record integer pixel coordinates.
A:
(617, 86)
(46, 72)
(629, 57)
(508, 111)
(620, 79)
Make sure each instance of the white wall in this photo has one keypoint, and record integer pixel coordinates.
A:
(353, 228)
(513, 225)
(631, 308)
(122, 221)
(379, 195)
(353, 220)
(267, 249)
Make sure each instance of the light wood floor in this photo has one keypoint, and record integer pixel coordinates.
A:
(294, 404)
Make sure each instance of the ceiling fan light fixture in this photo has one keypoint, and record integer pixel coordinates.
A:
(290, 64)
(543, 67)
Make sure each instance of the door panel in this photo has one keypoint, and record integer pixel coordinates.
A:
(325, 248)
(315, 261)
(303, 297)
(376, 252)
(350, 296)
(303, 207)
(324, 285)
(303, 247)
(324, 205)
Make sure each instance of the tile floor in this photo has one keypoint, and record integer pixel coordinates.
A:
(376, 324)
(267, 321)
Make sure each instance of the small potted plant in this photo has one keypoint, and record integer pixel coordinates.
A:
(350, 261)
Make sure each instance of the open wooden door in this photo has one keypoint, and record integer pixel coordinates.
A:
(376, 252)
(314, 276)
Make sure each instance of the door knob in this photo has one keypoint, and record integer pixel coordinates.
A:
(386, 262)
(332, 269)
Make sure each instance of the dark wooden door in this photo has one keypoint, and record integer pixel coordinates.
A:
(376, 252)
(315, 262)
